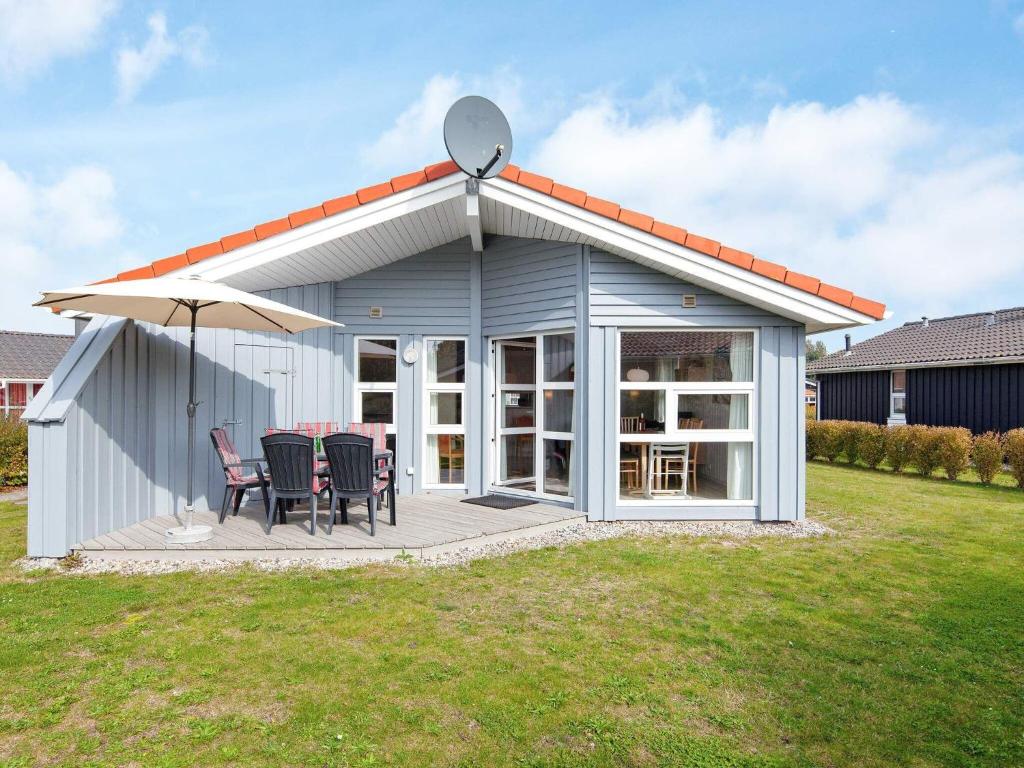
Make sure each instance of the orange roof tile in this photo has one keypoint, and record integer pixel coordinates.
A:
(171, 263)
(339, 204)
(299, 218)
(237, 240)
(568, 194)
(636, 220)
(200, 252)
(703, 244)
(669, 232)
(737, 258)
(271, 228)
(532, 181)
(138, 273)
(376, 192)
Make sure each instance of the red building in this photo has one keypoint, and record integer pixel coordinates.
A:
(26, 362)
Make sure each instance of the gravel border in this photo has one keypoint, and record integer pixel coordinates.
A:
(735, 531)
(14, 495)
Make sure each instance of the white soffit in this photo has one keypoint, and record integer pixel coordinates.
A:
(347, 244)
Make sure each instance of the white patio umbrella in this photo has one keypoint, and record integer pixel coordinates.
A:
(185, 302)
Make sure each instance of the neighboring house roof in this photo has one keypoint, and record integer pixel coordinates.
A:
(31, 355)
(576, 197)
(979, 337)
(673, 343)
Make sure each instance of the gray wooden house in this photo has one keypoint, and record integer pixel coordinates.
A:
(516, 336)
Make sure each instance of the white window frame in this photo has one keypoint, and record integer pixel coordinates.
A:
(430, 388)
(672, 432)
(358, 387)
(539, 387)
(7, 408)
(894, 417)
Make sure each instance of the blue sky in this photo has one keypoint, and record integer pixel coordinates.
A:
(878, 147)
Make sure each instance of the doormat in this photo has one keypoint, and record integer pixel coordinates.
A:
(496, 501)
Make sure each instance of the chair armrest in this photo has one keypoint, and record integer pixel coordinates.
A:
(386, 468)
(245, 462)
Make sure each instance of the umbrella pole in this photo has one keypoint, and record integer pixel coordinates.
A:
(188, 532)
(190, 409)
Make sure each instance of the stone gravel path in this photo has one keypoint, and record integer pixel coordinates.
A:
(575, 534)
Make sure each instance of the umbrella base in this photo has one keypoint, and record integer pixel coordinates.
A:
(190, 535)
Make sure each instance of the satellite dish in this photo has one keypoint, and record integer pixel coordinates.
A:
(477, 136)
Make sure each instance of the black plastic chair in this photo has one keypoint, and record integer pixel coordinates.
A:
(355, 475)
(290, 458)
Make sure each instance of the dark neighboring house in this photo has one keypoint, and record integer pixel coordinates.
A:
(26, 362)
(963, 371)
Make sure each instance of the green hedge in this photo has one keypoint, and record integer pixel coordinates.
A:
(13, 452)
(926, 449)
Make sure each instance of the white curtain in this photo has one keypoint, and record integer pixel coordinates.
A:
(432, 460)
(432, 356)
(741, 475)
(572, 452)
(664, 370)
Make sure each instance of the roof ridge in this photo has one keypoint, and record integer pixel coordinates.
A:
(40, 333)
(961, 317)
(542, 184)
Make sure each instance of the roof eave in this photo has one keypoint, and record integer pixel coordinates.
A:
(966, 363)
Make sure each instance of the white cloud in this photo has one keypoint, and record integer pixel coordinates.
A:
(1018, 25)
(33, 33)
(416, 137)
(868, 195)
(136, 66)
(45, 231)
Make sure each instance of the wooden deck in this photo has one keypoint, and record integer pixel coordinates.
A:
(427, 524)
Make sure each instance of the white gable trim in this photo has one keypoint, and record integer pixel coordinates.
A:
(72, 373)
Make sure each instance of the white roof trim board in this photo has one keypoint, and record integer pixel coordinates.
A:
(54, 399)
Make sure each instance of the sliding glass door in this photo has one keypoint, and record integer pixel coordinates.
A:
(534, 414)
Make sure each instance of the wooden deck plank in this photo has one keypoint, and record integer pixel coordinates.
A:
(424, 520)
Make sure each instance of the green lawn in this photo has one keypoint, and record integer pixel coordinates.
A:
(900, 641)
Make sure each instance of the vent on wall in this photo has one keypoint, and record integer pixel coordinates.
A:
(376, 313)
(689, 301)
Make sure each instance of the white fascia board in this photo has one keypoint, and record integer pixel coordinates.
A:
(74, 369)
(816, 313)
(324, 230)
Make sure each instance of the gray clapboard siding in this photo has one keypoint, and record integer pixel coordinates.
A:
(623, 292)
(528, 285)
(423, 294)
(781, 424)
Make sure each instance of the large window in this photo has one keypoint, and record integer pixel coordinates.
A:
(376, 390)
(686, 416)
(535, 414)
(444, 412)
